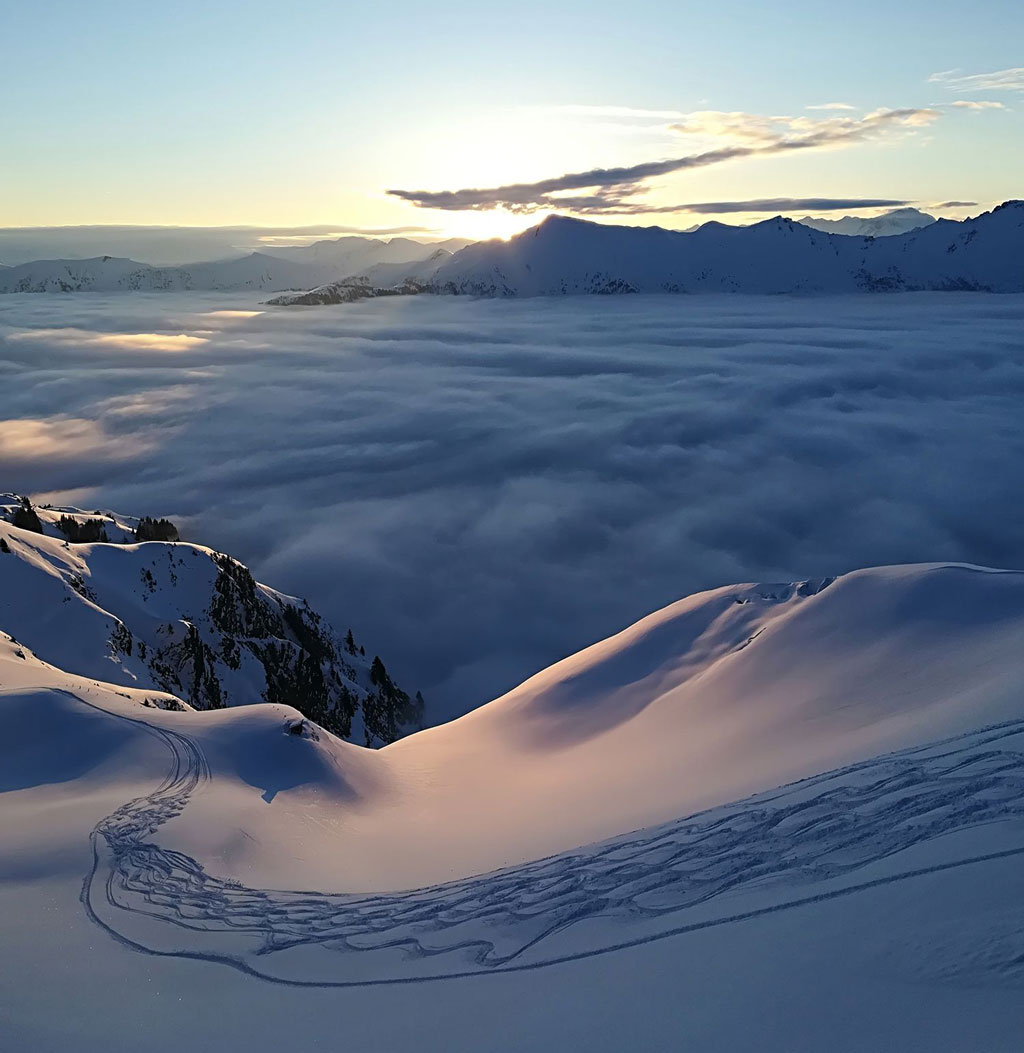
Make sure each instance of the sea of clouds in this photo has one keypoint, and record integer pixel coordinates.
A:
(482, 487)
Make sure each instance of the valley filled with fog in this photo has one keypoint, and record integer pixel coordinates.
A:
(481, 487)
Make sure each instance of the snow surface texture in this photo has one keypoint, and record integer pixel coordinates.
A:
(893, 695)
(486, 486)
(183, 619)
(810, 841)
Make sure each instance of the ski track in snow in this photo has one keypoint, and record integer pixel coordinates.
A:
(657, 882)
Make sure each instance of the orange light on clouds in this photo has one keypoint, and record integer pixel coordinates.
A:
(42, 438)
(231, 315)
(126, 341)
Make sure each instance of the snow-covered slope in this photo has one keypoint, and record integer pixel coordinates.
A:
(898, 221)
(383, 279)
(809, 776)
(367, 287)
(102, 274)
(563, 255)
(179, 618)
(721, 695)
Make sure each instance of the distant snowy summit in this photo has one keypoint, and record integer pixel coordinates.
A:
(898, 221)
(122, 601)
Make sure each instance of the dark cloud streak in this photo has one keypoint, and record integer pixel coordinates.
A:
(614, 184)
(776, 205)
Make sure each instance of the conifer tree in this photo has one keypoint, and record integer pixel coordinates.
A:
(26, 518)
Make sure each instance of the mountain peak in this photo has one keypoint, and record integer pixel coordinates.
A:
(566, 256)
(896, 221)
(558, 222)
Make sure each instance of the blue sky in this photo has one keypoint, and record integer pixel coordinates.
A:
(264, 113)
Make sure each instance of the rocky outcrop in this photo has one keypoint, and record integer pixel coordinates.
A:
(183, 619)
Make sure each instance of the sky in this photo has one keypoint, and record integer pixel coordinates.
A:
(465, 119)
(482, 487)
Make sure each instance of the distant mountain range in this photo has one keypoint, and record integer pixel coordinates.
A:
(269, 270)
(183, 246)
(563, 256)
(354, 254)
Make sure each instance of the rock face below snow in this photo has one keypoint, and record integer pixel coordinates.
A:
(346, 291)
(120, 600)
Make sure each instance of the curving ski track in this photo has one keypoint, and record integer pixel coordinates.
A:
(800, 844)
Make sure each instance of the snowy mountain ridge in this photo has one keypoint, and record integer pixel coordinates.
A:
(270, 270)
(351, 255)
(567, 256)
(121, 600)
(562, 255)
